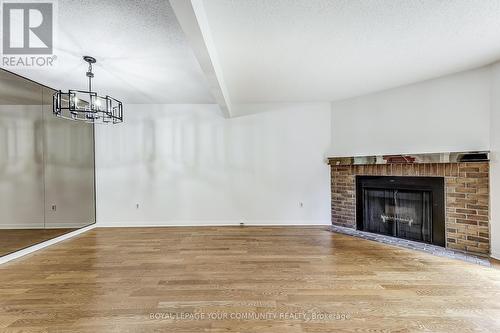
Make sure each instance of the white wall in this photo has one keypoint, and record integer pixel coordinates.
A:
(441, 115)
(495, 162)
(186, 164)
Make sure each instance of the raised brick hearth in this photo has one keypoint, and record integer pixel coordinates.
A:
(466, 196)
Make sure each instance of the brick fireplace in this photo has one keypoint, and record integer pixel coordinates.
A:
(466, 191)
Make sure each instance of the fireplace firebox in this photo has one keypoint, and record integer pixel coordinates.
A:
(405, 207)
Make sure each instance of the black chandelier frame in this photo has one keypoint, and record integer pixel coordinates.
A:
(87, 106)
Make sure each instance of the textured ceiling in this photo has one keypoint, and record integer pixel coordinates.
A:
(143, 55)
(324, 50)
(271, 50)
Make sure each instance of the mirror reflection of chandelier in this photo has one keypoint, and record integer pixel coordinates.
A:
(87, 105)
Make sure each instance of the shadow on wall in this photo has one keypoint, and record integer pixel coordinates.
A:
(175, 144)
(187, 163)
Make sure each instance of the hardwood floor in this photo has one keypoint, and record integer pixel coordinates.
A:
(115, 280)
(12, 240)
(495, 263)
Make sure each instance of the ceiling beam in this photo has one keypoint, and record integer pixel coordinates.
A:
(193, 21)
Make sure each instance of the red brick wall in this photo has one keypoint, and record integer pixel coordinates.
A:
(466, 195)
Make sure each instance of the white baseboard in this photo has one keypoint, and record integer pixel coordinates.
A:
(42, 226)
(209, 224)
(31, 249)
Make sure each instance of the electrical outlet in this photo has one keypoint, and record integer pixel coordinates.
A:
(54, 208)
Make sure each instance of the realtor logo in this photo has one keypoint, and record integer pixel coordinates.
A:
(27, 28)
(28, 33)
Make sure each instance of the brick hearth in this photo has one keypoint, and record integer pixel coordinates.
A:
(466, 194)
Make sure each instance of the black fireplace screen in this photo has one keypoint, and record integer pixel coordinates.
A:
(400, 213)
(405, 207)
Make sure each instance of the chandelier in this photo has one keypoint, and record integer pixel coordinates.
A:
(87, 106)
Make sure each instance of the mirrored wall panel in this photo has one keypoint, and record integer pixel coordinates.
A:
(69, 170)
(46, 167)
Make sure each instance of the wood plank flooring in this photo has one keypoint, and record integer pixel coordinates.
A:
(12, 240)
(118, 280)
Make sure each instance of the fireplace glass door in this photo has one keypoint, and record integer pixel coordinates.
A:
(401, 213)
(405, 207)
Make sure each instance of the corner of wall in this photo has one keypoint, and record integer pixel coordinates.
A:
(495, 161)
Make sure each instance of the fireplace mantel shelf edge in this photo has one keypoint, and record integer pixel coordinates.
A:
(451, 157)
